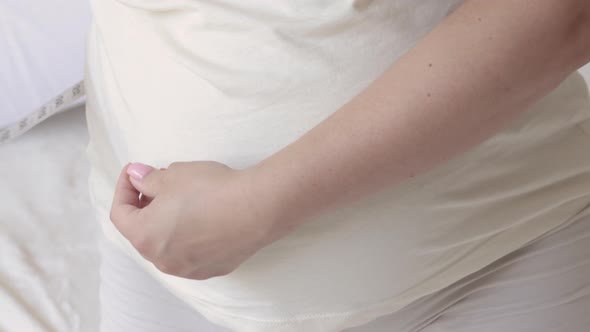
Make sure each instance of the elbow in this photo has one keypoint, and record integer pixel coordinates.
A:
(566, 26)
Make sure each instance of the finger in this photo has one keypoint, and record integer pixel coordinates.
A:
(144, 201)
(145, 179)
(125, 207)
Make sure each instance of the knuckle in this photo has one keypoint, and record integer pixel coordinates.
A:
(144, 244)
(222, 272)
(204, 275)
(227, 271)
(169, 267)
(200, 275)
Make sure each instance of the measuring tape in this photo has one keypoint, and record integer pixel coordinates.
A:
(56, 105)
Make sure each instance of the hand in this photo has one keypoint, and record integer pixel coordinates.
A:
(195, 220)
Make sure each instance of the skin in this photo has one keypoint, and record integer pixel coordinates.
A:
(469, 77)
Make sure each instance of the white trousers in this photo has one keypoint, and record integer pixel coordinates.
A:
(542, 287)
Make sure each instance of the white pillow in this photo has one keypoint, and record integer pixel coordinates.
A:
(42, 45)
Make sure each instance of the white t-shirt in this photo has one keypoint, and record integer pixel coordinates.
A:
(236, 81)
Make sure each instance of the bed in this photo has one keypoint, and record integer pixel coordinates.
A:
(49, 261)
(48, 257)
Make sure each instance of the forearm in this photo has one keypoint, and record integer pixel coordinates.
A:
(484, 64)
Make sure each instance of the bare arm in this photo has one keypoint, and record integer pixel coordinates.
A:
(484, 64)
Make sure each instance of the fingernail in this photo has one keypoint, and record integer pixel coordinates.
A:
(138, 170)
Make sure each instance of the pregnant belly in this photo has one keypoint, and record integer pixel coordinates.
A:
(405, 242)
(387, 249)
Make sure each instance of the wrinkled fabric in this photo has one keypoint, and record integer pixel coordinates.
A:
(542, 287)
(237, 81)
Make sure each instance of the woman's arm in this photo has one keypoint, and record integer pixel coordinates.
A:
(485, 63)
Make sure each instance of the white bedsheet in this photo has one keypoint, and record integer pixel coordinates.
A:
(48, 256)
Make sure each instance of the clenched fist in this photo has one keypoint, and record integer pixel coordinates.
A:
(195, 220)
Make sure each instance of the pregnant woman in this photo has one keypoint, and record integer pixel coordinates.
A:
(341, 165)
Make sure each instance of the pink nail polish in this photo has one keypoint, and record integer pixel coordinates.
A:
(138, 170)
